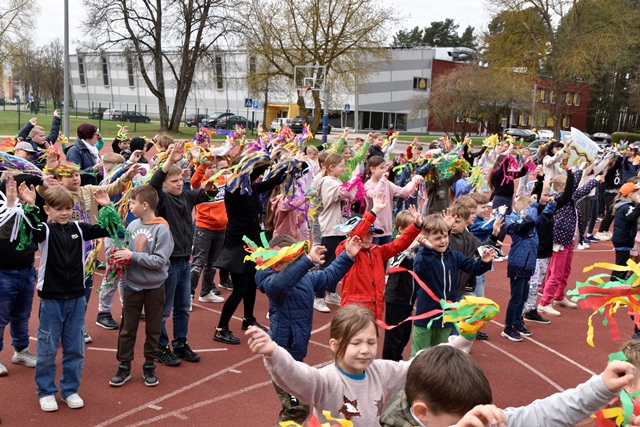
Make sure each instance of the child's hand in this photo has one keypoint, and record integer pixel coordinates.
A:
(534, 198)
(448, 218)
(370, 136)
(210, 186)
(136, 156)
(27, 194)
(260, 342)
(423, 241)
(488, 255)
(617, 375)
(176, 154)
(539, 170)
(122, 254)
(353, 246)
(133, 171)
(379, 202)
(497, 225)
(551, 200)
(316, 254)
(49, 181)
(102, 197)
(600, 178)
(502, 209)
(482, 416)
(11, 191)
(33, 121)
(417, 217)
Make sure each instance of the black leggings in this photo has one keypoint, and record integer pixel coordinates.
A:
(244, 289)
(608, 211)
(331, 243)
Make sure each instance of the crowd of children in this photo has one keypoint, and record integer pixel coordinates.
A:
(308, 229)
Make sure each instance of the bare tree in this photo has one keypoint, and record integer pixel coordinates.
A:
(171, 36)
(52, 61)
(347, 37)
(16, 17)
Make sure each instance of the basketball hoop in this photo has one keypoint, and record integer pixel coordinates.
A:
(302, 90)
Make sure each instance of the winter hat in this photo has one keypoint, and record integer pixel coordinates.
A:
(628, 188)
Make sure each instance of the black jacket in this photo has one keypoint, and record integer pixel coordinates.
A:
(62, 250)
(401, 287)
(625, 223)
(52, 138)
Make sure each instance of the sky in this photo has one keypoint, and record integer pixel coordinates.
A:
(412, 12)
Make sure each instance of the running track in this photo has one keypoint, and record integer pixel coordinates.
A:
(230, 387)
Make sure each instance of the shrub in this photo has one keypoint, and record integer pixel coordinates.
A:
(627, 136)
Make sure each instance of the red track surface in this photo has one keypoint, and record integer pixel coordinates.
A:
(230, 386)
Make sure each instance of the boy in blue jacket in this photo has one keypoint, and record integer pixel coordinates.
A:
(437, 266)
(290, 288)
(521, 226)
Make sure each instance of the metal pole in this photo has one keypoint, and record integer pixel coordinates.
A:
(325, 117)
(533, 107)
(66, 69)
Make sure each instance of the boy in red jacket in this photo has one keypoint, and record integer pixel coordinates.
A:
(364, 282)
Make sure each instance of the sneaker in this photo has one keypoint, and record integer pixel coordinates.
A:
(320, 305)
(183, 351)
(225, 336)
(24, 357)
(548, 310)
(48, 403)
(497, 258)
(252, 322)
(523, 331)
(122, 376)
(511, 334)
(332, 298)
(580, 247)
(3, 370)
(73, 401)
(87, 338)
(105, 320)
(215, 290)
(191, 304)
(592, 238)
(602, 236)
(482, 336)
(534, 317)
(565, 303)
(149, 375)
(586, 243)
(167, 358)
(227, 285)
(211, 297)
(609, 234)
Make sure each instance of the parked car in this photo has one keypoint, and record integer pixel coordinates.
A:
(97, 113)
(194, 119)
(281, 121)
(211, 120)
(545, 134)
(134, 116)
(116, 114)
(525, 135)
(601, 136)
(2, 102)
(229, 122)
(534, 146)
(297, 125)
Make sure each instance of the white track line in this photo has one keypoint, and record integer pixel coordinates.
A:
(549, 349)
(101, 349)
(525, 364)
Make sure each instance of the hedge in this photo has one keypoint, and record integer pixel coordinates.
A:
(627, 136)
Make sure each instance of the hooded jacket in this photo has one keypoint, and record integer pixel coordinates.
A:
(291, 294)
(152, 245)
(564, 228)
(625, 223)
(438, 271)
(52, 138)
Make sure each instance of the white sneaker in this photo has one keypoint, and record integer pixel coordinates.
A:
(73, 401)
(3, 370)
(580, 247)
(191, 304)
(87, 338)
(332, 298)
(602, 236)
(548, 310)
(319, 305)
(211, 297)
(24, 357)
(565, 303)
(48, 403)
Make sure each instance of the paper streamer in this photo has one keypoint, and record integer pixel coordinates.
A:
(265, 256)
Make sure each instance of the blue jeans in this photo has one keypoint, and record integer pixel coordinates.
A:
(16, 299)
(178, 289)
(519, 295)
(60, 321)
(479, 290)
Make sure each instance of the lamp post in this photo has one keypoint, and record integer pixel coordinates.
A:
(66, 70)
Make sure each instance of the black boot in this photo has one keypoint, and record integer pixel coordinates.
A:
(252, 322)
(224, 335)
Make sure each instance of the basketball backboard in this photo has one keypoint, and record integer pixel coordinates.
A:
(311, 77)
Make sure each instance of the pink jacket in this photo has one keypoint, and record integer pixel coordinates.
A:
(285, 219)
(390, 190)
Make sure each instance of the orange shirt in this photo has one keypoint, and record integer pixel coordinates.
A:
(210, 215)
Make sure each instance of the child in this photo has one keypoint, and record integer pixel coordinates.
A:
(285, 214)
(522, 190)
(61, 288)
(176, 205)
(399, 295)
(626, 211)
(290, 287)
(316, 233)
(211, 223)
(34, 134)
(150, 244)
(354, 387)
(567, 220)
(521, 226)
(377, 182)
(437, 266)
(335, 205)
(365, 281)
(446, 387)
(376, 140)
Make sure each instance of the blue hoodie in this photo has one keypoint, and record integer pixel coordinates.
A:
(439, 271)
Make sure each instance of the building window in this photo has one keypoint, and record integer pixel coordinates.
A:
(130, 71)
(401, 121)
(552, 96)
(421, 84)
(576, 99)
(568, 98)
(566, 121)
(550, 122)
(252, 65)
(218, 69)
(545, 96)
(81, 70)
(105, 71)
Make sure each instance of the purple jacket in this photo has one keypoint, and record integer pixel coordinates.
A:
(564, 227)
